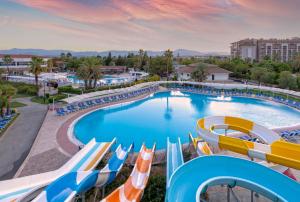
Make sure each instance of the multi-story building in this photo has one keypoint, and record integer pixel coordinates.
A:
(20, 63)
(282, 50)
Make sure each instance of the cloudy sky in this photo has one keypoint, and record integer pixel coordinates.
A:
(203, 25)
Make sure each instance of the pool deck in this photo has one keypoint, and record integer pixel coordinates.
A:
(53, 147)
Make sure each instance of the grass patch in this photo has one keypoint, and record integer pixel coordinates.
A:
(49, 99)
(19, 95)
(9, 124)
(39, 100)
(15, 104)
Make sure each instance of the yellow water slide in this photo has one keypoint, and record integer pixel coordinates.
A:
(276, 150)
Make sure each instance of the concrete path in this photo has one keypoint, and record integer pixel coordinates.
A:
(16, 142)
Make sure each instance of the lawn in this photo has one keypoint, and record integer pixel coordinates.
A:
(15, 104)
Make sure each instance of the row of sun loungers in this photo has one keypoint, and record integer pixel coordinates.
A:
(288, 134)
(5, 121)
(284, 134)
(62, 111)
(236, 92)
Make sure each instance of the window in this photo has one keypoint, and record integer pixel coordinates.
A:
(213, 77)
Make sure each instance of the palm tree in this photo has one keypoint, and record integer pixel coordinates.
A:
(7, 60)
(83, 74)
(50, 65)
(1, 72)
(89, 71)
(36, 68)
(169, 61)
(7, 91)
(140, 58)
(199, 74)
(96, 75)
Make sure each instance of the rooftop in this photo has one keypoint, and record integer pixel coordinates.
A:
(209, 69)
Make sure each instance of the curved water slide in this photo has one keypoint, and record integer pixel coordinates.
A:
(132, 189)
(69, 185)
(194, 177)
(84, 160)
(174, 157)
(275, 151)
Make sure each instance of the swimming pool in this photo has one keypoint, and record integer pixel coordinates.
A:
(107, 80)
(174, 114)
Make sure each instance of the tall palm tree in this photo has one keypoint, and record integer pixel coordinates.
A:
(50, 65)
(140, 58)
(36, 68)
(7, 60)
(96, 75)
(89, 72)
(7, 91)
(169, 61)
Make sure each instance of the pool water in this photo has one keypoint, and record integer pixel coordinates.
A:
(107, 79)
(174, 114)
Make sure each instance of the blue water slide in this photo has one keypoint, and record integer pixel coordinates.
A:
(70, 184)
(174, 157)
(193, 178)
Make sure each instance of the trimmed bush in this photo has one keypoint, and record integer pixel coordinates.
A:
(69, 89)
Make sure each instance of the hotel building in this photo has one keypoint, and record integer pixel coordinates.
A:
(19, 64)
(282, 50)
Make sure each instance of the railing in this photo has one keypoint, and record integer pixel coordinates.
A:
(86, 96)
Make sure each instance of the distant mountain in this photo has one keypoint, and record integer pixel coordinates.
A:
(53, 53)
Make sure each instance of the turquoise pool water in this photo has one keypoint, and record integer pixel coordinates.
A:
(107, 79)
(174, 114)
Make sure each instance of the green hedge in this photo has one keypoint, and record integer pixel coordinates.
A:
(23, 88)
(69, 89)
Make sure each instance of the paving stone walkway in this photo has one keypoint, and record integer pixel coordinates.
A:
(52, 147)
(17, 140)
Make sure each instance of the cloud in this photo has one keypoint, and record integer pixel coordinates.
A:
(162, 23)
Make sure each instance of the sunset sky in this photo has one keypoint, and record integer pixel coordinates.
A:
(203, 25)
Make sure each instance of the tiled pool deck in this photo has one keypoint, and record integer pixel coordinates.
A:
(52, 147)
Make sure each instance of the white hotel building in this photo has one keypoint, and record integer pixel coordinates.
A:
(20, 63)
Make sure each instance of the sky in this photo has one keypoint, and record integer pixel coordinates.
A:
(99, 25)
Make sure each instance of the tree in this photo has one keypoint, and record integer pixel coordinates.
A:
(69, 55)
(96, 75)
(50, 65)
(158, 66)
(298, 81)
(108, 60)
(199, 73)
(83, 74)
(73, 64)
(62, 56)
(6, 92)
(89, 72)
(296, 63)
(36, 68)
(258, 74)
(7, 60)
(270, 77)
(169, 61)
(1, 72)
(287, 80)
(140, 59)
